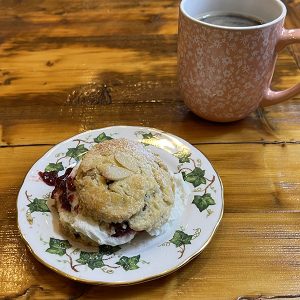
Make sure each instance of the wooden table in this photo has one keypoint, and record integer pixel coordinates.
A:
(73, 65)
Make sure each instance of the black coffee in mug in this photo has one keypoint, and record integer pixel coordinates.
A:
(230, 19)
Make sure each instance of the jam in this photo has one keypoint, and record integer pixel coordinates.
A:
(62, 184)
(70, 184)
(49, 177)
(70, 198)
(121, 229)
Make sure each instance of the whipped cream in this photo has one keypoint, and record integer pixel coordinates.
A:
(91, 228)
(182, 193)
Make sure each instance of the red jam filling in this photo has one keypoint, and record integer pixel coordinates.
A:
(49, 177)
(61, 185)
(121, 229)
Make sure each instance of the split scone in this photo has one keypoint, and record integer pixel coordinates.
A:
(119, 188)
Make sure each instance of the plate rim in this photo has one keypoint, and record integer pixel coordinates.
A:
(132, 282)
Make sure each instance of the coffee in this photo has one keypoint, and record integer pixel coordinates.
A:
(230, 19)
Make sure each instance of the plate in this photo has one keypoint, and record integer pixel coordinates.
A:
(146, 257)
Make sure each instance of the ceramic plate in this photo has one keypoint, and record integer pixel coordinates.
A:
(145, 257)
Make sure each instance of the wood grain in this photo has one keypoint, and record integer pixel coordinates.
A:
(27, 125)
(69, 66)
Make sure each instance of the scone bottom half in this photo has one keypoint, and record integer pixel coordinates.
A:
(119, 184)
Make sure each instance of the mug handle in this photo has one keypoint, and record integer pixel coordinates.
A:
(287, 37)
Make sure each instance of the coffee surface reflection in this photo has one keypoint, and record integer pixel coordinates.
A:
(230, 19)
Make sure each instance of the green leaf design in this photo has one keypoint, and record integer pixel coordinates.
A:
(54, 167)
(57, 251)
(196, 177)
(149, 139)
(38, 205)
(180, 238)
(108, 250)
(92, 259)
(129, 263)
(77, 152)
(84, 257)
(147, 136)
(183, 156)
(102, 137)
(58, 247)
(203, 202)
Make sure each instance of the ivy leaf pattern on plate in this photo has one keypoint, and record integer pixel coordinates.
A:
(58, 247)
(54, 167)
(204, 201)
(76, 152)
(196, 177)
(149, 139)
(92, 259)
(102, 137)
(129, 263)
(95, 259)
(184, 156)
(39, 205)
(147, 136)
(180, 238)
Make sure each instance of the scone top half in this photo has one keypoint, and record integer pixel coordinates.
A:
(121, 181)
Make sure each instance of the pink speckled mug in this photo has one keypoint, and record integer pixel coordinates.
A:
(224, 72)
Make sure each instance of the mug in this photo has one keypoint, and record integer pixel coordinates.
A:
(224, 73)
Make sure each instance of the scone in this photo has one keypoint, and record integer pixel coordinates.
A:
(119, 188)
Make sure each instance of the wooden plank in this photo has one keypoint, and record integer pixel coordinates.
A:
(250, 254)
(26, 118)
(42, 124)
(256, 178)
(87, 18)
(65, 67)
